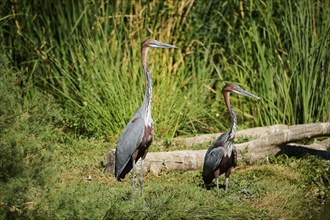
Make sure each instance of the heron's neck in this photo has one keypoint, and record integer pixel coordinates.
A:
(148, 93)
(232, 129)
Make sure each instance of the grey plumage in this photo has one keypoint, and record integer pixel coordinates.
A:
(128, 142)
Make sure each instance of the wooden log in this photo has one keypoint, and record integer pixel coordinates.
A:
(269, 145)
(156, 162)
(270, 142)
(209, 138)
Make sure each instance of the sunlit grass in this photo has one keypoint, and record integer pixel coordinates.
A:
(276, 190)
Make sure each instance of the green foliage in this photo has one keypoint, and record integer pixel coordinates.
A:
(26, 140)
(87, 54)
(10, 154)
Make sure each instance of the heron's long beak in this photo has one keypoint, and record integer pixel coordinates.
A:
(241, 91)
(157, 44)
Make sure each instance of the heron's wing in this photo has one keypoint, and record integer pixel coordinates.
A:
(128, 142)
(213, 158)
(220, 142)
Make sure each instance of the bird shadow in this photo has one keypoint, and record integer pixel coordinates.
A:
(299, 151)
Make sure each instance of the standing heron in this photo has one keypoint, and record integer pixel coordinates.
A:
(137, 136)
(221, 155)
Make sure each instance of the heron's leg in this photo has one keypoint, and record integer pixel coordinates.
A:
(217, 181)
(142, 170)
(227, 184)
(141, 176)
(133, 179)
(216, 175)
(133, 174)
(227, 179)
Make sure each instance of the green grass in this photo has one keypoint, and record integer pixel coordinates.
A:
(286, 188)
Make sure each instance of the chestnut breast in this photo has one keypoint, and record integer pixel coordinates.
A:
(148, 136)
(227, 162)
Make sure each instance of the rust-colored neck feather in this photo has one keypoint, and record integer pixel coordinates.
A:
(144, 57)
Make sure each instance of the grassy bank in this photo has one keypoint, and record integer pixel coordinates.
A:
(286, 188)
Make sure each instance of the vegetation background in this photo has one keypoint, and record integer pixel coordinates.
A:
(71, 79)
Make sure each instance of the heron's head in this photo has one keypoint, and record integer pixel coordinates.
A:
(152, 43)
(231, 87)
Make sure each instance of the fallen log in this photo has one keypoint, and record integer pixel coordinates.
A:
(269, 145)
(271, 141)
(208, 138)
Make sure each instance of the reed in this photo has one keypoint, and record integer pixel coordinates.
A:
(87, 54)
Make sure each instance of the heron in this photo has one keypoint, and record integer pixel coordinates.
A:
(221, 155)
(137, 136)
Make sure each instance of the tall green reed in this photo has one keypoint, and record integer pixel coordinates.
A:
(308, 32)
(280, 50)
(87, 54)
(92, 65)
